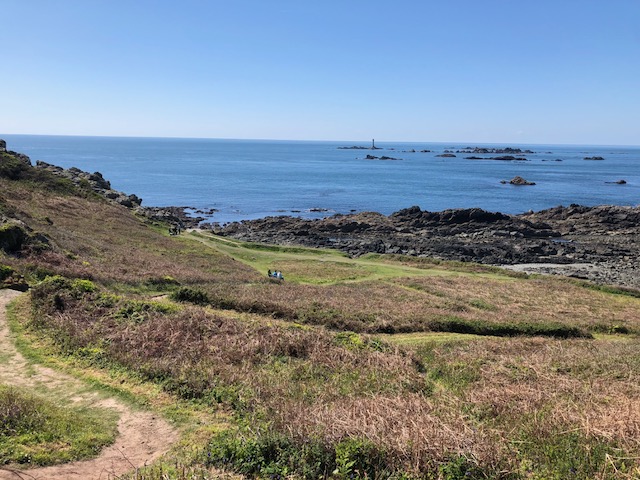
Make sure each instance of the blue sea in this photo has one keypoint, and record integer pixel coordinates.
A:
(246, 179)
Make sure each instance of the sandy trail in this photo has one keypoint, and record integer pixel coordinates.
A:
(142, 436)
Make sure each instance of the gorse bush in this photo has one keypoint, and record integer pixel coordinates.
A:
(191, 295)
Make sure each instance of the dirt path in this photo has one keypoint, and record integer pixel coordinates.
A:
(142, 436)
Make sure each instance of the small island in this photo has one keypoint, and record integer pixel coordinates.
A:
(518, 180)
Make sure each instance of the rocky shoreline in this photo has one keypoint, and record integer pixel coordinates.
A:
(601, 244)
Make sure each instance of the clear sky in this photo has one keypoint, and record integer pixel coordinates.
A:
(494, 71)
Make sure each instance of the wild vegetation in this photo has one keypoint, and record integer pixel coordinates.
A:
(377, 367)
(32, 429)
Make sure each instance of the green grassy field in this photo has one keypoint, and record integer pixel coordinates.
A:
(375, 367)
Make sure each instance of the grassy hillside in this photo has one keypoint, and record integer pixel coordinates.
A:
(374, 367)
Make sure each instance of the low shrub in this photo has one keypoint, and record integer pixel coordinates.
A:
(163, 283)
(5, 272)
(191, 295)
(137, 311)
(478, 327)
(460, 468)
(360, 458)
(272, 454)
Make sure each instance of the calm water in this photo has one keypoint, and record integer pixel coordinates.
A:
(251, 179)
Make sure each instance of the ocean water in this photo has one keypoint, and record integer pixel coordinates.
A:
(246, 179)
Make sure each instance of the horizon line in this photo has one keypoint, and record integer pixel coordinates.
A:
(312, 140)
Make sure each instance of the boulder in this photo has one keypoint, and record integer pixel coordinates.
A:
(12, 237)
(3, 146)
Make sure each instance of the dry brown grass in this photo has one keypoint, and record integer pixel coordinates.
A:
(556, 385)
(416, 432)
(97, 239)
(532, 300)
(417, 304)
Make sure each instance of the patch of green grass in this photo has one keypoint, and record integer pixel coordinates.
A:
(35, 430)
(327, 267)
(564, 455)
(613, 290)
(426, 338)
(482, 304)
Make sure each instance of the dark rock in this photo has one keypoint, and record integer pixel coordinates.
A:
(16, 238)
(172, 215)
(510, 158)
(12, 237)
(383, 157)
(358, 147)
(98, 180)
(517, 180)
(446, 155)
(3, 146)
(593, 158)
(484, 150)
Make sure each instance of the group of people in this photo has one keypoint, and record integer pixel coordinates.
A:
(276, 274)
(176, 229)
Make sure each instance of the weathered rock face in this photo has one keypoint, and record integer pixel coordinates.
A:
(3, 145)
(607, 236)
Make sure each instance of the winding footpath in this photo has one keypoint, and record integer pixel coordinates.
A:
(142, 436)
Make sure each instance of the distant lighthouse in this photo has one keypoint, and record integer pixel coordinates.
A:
(373, 144)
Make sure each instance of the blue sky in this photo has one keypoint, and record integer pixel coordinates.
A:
(493, 71)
